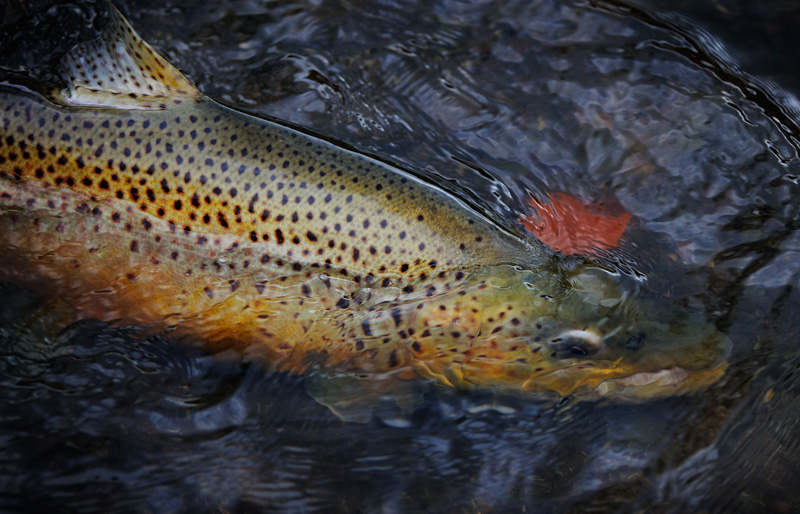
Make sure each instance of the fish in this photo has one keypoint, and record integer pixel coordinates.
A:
(136, 199)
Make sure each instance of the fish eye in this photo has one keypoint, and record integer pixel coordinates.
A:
(578, 350)
(635, 341)
(575, 343)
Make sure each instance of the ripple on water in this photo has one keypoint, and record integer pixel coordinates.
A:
(508, 100)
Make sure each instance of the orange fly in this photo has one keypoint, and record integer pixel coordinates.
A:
(571, 227)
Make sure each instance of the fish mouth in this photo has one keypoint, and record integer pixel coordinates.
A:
(616, 382)
(665, 382)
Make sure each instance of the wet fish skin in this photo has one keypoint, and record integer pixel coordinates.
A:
(177, 211)
(211, 200)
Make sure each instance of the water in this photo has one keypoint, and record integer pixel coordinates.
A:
(672, 111)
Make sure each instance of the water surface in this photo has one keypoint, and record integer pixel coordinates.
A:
(669, 112)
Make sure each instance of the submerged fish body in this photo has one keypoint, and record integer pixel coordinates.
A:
(140, 200)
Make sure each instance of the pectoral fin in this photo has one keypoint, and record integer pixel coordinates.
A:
(359, 398)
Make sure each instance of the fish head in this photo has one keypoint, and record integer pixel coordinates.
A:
(586, 335)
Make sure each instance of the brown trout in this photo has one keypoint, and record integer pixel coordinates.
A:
(139, 200)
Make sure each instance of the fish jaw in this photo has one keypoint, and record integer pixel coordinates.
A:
(628, 385)
(667, 382)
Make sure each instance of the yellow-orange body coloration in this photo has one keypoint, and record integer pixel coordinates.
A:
(164, 208)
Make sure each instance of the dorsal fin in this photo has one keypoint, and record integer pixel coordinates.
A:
(119, 69)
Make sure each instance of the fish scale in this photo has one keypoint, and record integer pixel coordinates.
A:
(140, 200)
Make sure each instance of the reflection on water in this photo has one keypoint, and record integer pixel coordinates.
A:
(507, 101)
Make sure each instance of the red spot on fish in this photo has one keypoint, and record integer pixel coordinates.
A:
(571, 227)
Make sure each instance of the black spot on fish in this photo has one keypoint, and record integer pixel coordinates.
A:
(396, 316)
(365, 327)
(222, 219)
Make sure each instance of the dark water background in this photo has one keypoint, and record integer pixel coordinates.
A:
(683, 112)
